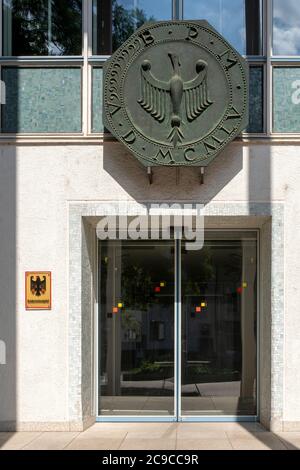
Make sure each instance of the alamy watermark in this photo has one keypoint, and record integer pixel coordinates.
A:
(154, 222)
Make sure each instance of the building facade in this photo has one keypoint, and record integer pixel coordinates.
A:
(145, 329)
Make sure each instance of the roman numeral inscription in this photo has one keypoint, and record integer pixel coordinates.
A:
(230, 60)
(189, 154)
(233, 113)
(209, 147)
(224, 129)
(213, 144)
(113, 108)
(216, 141)
(163, 156)
(130, 137)
(186, 114)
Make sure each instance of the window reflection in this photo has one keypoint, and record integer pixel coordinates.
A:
(256, 100)
(239, 21)
(286, 99)
(286, 32)
(219, 329)
(136, 328)
(42, 27)
(115, 21)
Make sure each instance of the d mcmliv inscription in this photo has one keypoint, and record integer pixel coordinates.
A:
(176, 93)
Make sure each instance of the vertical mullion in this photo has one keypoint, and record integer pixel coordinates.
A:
(90, 26)
(49, 25)
(1, 46)
(97, 271)
(177, 343)
(180, 9)
(175, 330)
(90, 67)
(269, 75)
(85, 67)
(258, 322)
(177, 9)
(1, 28)
(175, 333)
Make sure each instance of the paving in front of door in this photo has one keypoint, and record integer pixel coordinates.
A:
(156, 436)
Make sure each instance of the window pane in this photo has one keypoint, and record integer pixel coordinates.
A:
(42, 27)
(115, 20)
(256, 100)
(239, 21)
(286, 99)
(97, 120)
(286, 32)
(42, 100)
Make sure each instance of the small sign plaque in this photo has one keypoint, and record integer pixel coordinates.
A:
(38, 290)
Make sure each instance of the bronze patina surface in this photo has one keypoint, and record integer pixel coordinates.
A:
(176, 93)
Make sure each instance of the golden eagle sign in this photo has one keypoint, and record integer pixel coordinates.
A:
(38, 290)
(176, 93)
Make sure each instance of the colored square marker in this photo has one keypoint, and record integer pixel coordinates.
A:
(198, 309)
(120, 305)
(157, 289)
(245, 284)
(162, 284)
(115, 310)
(203, 304)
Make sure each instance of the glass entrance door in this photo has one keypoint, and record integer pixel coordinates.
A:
(177, 328)
(136, 329)
(218, 327)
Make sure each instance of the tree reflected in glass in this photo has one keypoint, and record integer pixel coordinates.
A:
(126, 21)
(114, 21)
(42, 27)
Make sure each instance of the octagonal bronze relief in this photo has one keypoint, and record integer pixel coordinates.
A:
(176, 93)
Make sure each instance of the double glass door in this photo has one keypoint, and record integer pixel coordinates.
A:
(177, 328)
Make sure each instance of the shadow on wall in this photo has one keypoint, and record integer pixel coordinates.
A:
(241, 173)
(259, 190)
(8, 360)
(168, 184)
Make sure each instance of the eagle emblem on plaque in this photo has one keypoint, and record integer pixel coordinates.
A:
(38, 286)
(176, 93)
(156, 95)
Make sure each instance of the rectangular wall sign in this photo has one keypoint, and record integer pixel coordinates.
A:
(38, 290)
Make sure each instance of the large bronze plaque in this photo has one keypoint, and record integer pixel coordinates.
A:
(176, 93)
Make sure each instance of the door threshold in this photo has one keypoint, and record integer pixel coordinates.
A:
(218, 419)
(135, 419)
(173, 419)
